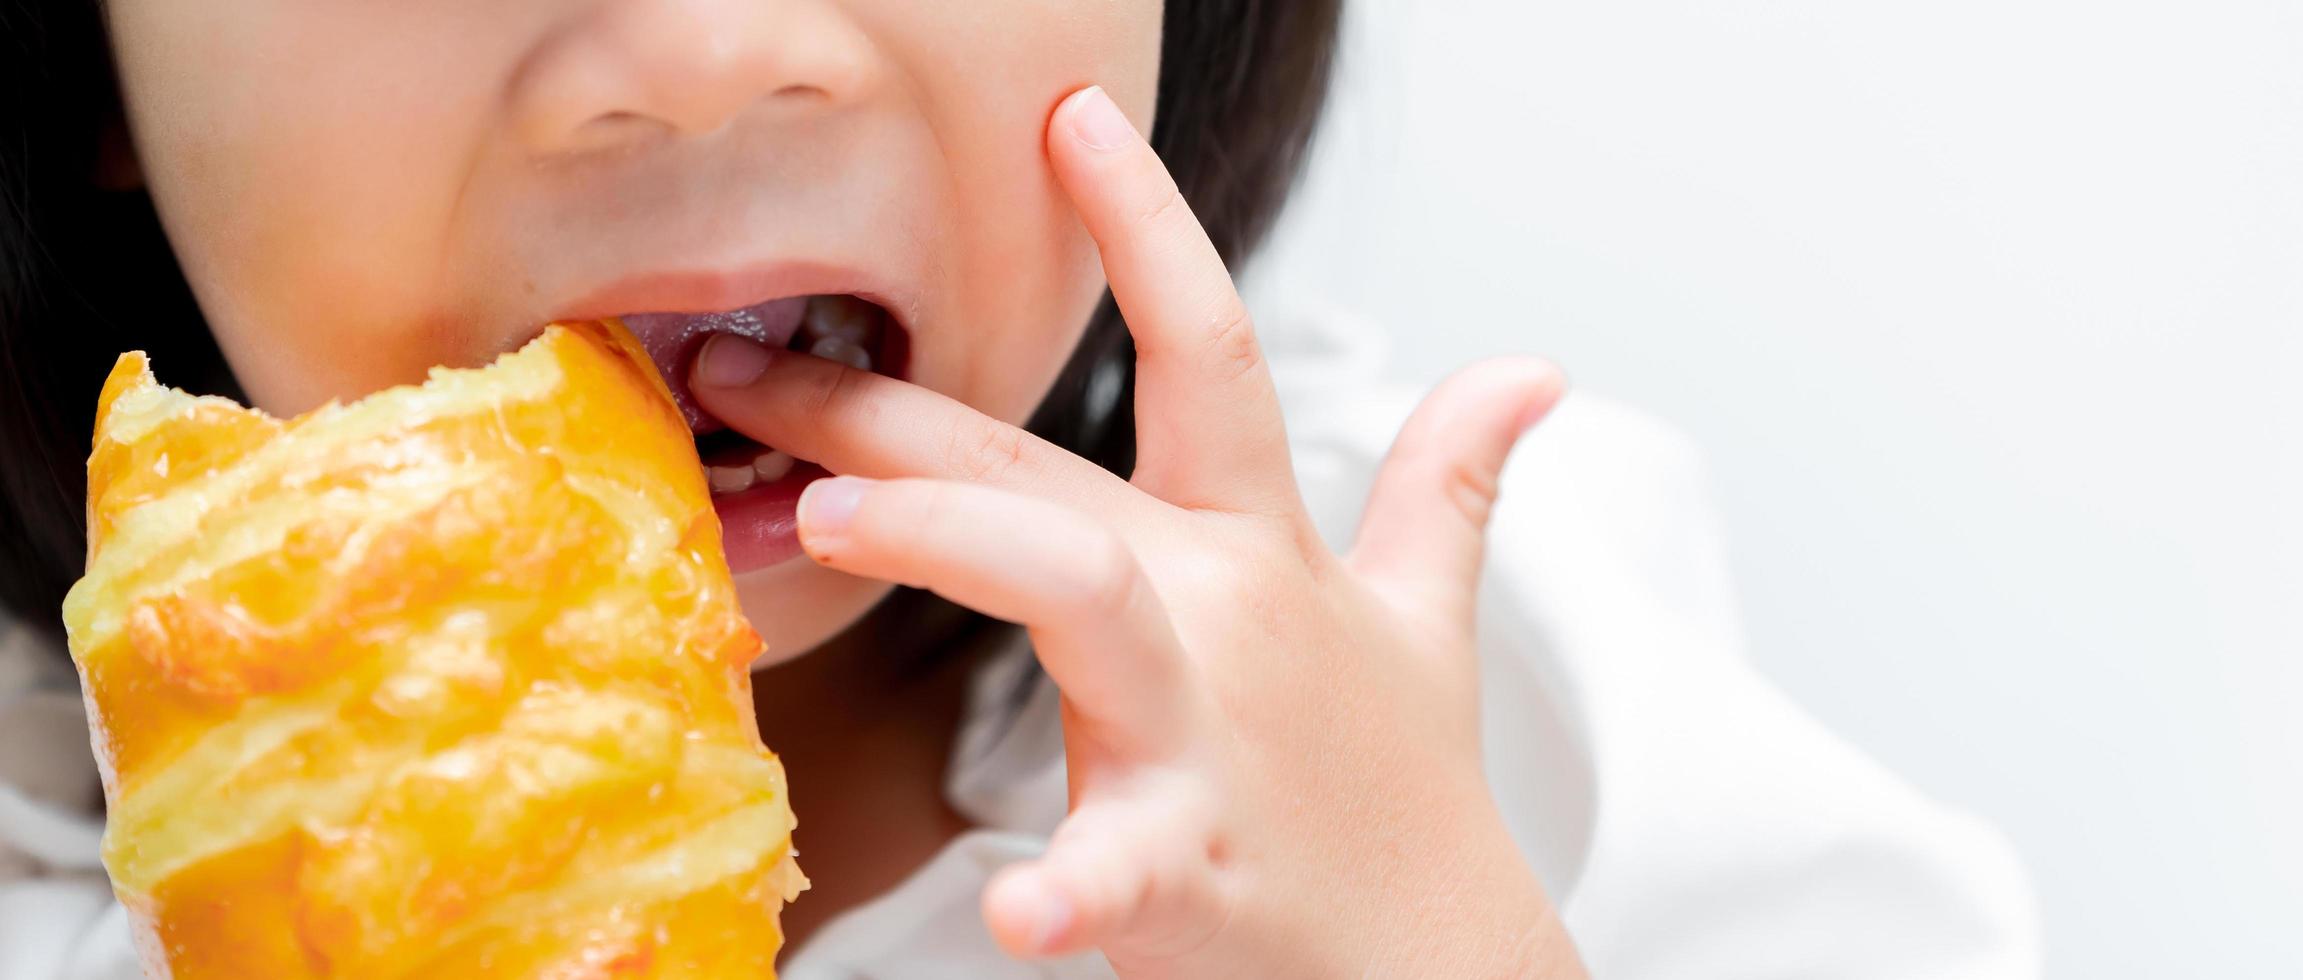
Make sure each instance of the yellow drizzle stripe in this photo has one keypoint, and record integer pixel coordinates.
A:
(236, 536)
(180, 516)
(705, 855)
(162, 823)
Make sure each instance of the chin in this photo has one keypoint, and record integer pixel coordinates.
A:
(799, 606)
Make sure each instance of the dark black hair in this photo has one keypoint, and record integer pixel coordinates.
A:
(85, 272)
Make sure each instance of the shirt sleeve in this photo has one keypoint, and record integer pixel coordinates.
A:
(1689, 818)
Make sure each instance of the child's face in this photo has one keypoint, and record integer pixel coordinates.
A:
(358, 191)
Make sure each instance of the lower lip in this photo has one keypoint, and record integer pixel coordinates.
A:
(761, 526)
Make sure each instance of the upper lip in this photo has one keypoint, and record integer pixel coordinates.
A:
(705, 290)
(698, 290)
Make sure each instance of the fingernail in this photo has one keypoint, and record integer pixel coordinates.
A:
(1047, 911)
(827, 506)
(729, 361)
(1098, 122)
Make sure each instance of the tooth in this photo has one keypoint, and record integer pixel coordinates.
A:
(772, 466)
(845, 317)
(730, 479)
(843, 350)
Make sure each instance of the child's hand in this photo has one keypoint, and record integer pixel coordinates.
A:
(1274, 750)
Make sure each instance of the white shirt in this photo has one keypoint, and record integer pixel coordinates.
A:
(1688, 819)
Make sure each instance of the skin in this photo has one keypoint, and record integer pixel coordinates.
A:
(358, 192)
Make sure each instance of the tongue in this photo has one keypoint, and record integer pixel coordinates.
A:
(673, 339)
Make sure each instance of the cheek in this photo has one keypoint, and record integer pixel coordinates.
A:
(1019, 277)
(304, 159)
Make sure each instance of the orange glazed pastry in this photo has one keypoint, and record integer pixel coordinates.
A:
(448, 682)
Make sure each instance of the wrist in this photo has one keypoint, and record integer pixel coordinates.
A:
(1479, 911)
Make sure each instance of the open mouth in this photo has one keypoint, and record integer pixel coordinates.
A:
(755, 487)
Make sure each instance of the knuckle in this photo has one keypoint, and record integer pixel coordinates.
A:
(1107, 575)
(1166, 206)
(1471, 488)
(837, 393)
(1180, 907)
(1232, 346)
(989, 452)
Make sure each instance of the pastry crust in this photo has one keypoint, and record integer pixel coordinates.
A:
(450, 681)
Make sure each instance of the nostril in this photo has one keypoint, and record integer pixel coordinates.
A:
(613, 129)
(684, 68)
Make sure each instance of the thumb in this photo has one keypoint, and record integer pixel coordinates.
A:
(1425, 530)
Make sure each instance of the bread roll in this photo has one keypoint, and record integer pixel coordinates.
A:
(447, 682)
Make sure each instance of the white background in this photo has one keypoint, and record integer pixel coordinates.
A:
(1989, 317)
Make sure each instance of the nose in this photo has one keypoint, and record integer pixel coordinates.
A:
(626, 71)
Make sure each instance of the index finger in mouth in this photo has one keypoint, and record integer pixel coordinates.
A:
(858, 423)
